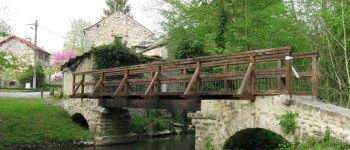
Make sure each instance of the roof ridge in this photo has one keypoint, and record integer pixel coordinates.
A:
(122, 14)
(24, 42)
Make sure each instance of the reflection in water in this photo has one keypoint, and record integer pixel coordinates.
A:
(178, 142)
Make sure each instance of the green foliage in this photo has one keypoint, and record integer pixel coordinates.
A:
(27, 76)
(49, 86)
(3, 34)
(74, 38)
(233, 26)
(208, 143)
(326, 143)
(139, 122)
(117, 54)
(188, 49)
(7, 60)
(287, 122)
(32, 121)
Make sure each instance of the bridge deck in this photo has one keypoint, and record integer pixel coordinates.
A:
(245, 74)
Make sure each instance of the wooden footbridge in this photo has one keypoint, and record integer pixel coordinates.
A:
(180, 84)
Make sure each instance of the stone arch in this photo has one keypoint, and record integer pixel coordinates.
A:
(81, 120)
(254, 138)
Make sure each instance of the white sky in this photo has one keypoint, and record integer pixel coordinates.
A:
(54, 17)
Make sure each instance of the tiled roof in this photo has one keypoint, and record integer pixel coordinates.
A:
(2, 41)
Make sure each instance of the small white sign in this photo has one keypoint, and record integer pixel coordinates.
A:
(27, 86)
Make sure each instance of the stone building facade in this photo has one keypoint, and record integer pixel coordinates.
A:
(24, 52)
(117, 26)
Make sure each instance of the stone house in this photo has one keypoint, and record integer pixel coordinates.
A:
(23, 50)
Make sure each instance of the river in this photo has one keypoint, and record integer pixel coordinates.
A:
(177, 142)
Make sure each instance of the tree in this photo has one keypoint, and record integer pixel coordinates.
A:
(74, 38)
(226, 26)
(61, 57)
(6, 61)
(117, 5)
(27, 76)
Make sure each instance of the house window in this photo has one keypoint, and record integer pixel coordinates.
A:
(118, 38)
(40, 55)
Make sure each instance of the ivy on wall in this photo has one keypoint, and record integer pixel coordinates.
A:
(117, 54)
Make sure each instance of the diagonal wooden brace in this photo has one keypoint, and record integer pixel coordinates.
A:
(193, 79)
(153, 82)
(97, 85)
(76, 89)
(246, 78)
(121, 85)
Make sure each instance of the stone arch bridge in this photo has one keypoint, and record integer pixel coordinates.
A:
(229, 93)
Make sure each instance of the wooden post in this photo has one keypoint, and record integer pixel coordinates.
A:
(184, 82)
(252, 79)
(289, 75)
(73, 86)
(225, 80)
(126, 86)
(82, 85)
(279, 79)
(158, 85)
(102, 85)
(199, 81)
(314, 78)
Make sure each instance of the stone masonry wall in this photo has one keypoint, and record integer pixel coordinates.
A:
(117, 24)
(222, 119)
(109, 125)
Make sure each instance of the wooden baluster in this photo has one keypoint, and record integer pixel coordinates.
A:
(314, 78)
(225, 80)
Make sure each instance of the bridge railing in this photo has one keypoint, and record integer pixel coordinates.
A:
(245, 74)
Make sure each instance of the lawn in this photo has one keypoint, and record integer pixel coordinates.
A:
(34, 121)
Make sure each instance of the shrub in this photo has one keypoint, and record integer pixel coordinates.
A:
(49, 86)
(119, 53)
(209, 143)
(287, 122)
(27, 76)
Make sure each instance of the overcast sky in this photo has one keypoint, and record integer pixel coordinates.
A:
(54, 17)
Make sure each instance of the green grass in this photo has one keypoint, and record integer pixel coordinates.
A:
(34, 121)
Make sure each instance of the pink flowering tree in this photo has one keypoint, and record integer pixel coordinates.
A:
(61, 57)
(58, 59)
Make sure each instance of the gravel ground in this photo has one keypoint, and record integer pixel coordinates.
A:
(24, 94)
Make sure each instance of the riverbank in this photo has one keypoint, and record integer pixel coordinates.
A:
(28, 122)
